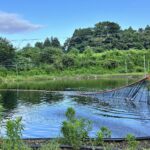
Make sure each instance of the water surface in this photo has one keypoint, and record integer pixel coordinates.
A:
(42, 112)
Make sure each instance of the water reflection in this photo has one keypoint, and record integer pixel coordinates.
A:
(73, 84)
(8, 100)
(52, 97)
(43, 112)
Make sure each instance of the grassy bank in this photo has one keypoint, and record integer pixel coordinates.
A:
(63, 81)
(65, 76)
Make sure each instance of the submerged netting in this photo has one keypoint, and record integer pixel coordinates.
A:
(138, 91)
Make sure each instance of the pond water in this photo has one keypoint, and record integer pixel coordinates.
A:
(42, 112)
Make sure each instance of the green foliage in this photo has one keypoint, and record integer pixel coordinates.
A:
(104, 48)
(39, 45)
(3, 71)
(10, 146)
(13, 132)
(88, 52)
(49, 55)
(14, 129)
(104, 132)
(109, 35)
(74, 52)
(7, 53)
(53, 61)
(52, 145)
(139, 69)
(49, 68)
(110, 64)
(74, 130)
(99, 138)
(68, 61)
(131, 141)
(32, 53)
(70, 114)
(47, 43)
(53, 42)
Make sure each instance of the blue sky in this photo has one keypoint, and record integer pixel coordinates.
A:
(38, 19)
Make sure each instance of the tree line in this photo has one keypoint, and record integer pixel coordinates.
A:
(109, 35)
(103, 45)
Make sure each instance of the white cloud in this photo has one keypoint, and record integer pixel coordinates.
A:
(12, 23)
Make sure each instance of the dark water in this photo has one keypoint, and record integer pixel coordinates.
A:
(43, 112)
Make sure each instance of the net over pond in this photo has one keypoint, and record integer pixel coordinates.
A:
(138, 91)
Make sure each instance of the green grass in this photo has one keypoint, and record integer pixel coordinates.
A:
(70, 73)
(60, 83)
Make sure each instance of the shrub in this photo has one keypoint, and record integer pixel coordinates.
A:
(70, 114)
(110, 64)
(131, 141)
(88, 52)
(74, 130)
(99, 138)
(104, 132)
(14, 129)
(139, 69)
(49, 68)
(13, 132)
(68, 61)
(52, 145)
(3, 71)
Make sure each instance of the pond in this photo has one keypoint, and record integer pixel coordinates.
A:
(42, 112)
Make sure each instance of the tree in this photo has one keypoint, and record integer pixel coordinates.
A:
(74, 52)
(50, 55)
(68, 61)
(66, 45)
(106, 28)
(103, 35)
(109, 35)
(39, 45)
(88, 52)
(147, 29)
(47, 43)
(32, 53)
(55, 42)
(7, 53)
(80, 39)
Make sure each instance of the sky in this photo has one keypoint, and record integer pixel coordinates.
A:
(38, 19)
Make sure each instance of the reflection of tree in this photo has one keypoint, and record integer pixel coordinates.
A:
(89, 101)
(112, 83)
(82, 100)
(52, 97)
(32, 97)
(8, 100)
(37, 97)
(101, 84)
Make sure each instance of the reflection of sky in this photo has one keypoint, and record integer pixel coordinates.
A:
(44, 119)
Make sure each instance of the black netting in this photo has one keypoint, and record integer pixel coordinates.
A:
(139, 91)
